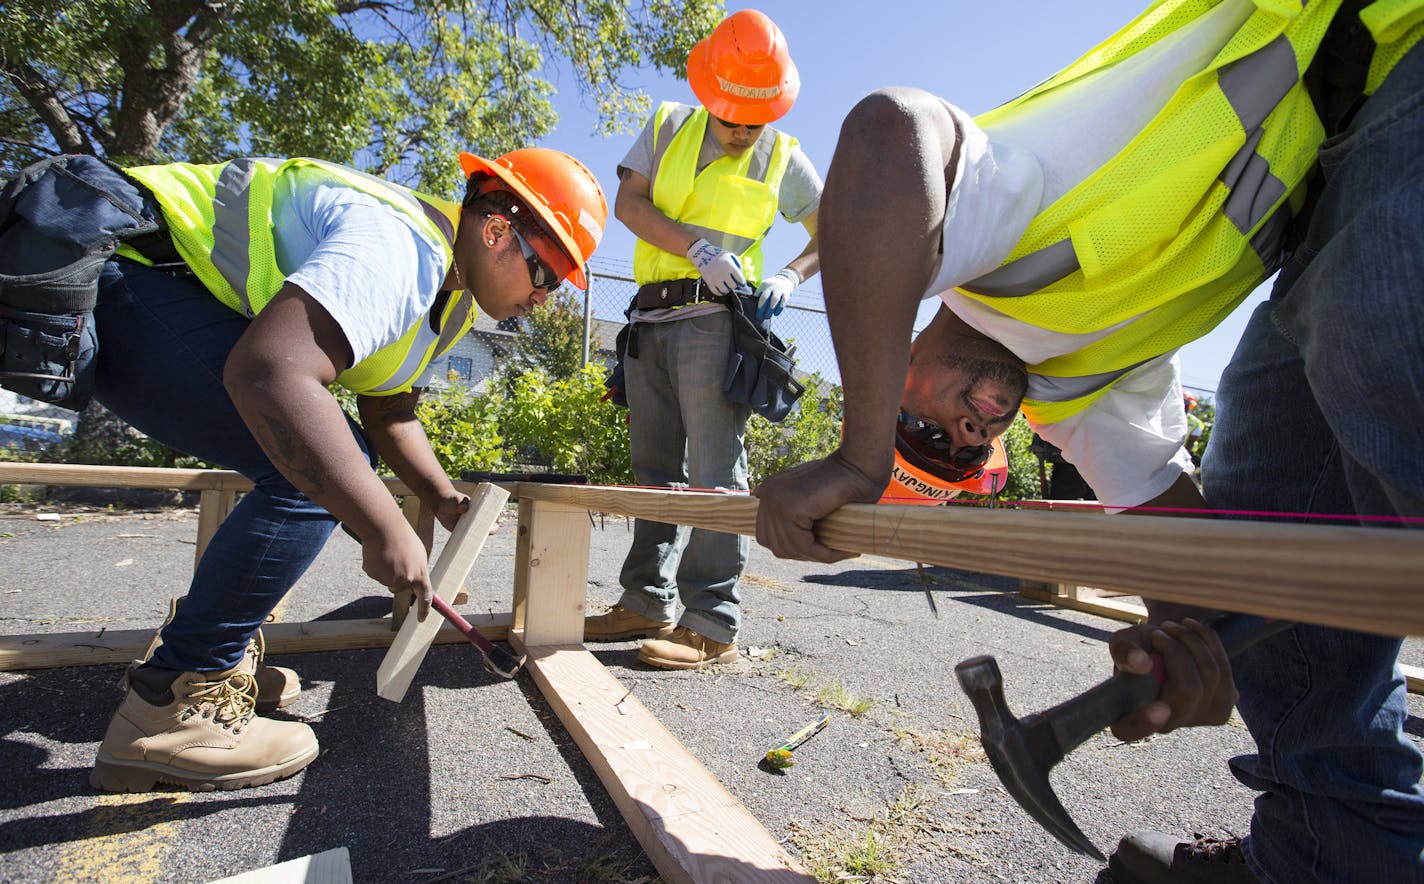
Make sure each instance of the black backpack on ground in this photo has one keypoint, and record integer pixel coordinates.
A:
(60, 220)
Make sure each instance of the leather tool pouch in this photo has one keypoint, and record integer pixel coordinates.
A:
(60, 220)
(760, 368)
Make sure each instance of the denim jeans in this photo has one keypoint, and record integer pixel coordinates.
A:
(1322, 411)
(683, 429)
(163, 341)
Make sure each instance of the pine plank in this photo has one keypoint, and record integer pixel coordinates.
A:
(461, 549)
(1346, 576)
(689, 825)
(96, 648)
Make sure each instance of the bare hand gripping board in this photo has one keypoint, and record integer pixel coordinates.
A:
(415, 636)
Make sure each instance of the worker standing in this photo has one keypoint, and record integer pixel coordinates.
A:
(1081, 234)
(275, 280)
(700, 188)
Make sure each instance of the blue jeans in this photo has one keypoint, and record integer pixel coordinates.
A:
(1322, 411)
(683, 429)
(163, 341)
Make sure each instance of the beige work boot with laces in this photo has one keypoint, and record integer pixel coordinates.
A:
(687, 649)
(277, 686)
(197, 730)
(620, 624)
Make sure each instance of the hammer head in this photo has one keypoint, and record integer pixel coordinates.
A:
(1022, 752)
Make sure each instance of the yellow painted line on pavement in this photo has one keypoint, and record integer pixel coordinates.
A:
(129, 838)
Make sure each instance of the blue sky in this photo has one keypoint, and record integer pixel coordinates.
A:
(977, 55)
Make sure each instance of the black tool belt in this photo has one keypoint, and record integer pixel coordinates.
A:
(676, 293)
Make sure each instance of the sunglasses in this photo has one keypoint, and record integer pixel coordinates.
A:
(729, 125)
(541, 275)
(928, 446)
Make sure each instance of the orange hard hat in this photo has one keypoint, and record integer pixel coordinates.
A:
(742, 72)
(913, 484)
(561, 191)
(1189, 400)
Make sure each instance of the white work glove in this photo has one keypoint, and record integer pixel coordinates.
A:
(774, 292)
(720, 269)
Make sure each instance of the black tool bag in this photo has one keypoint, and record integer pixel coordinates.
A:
(760, 367)
(60, 220)
(626, 347)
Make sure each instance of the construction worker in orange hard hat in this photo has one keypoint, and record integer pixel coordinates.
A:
(700, 188)
(300, 275)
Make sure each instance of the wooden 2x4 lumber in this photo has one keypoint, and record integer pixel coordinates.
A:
(53, 649)
(90, 476)
(1336, 575)
(690, 826)
(461, 549)
(551, 572)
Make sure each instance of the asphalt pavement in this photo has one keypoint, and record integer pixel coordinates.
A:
(473, 778)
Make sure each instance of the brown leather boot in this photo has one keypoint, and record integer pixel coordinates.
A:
(197, 730)
(687, 649)
(620, 624)
(277, 686)
(1154, 858)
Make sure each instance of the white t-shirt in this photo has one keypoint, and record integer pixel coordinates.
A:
(368, 264)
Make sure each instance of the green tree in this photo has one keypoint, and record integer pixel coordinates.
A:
(812, 430)
(551, 339)
(395, 86)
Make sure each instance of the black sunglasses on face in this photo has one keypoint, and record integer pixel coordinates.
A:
(541, 275)
(929, 446)
(736, 125)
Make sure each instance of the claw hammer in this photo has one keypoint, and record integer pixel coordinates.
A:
(1023, 750)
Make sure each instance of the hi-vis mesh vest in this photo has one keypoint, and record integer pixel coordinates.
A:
(220, 218)
(732, 203)
(1154, 248)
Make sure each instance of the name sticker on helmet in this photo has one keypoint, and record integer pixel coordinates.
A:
(741, 91)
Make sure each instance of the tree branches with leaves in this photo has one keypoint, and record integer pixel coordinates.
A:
(396, 87)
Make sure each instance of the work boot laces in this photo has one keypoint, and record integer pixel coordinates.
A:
(1212, 851)
(230, 702)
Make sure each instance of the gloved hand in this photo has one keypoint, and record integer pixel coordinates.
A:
(720, 269)
(774, 292)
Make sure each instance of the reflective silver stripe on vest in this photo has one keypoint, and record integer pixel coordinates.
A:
(1026, 275)
(1047, 388)
(663, 137)
(758, 167)
(231, 237)
(414, 359)
(1253, 86)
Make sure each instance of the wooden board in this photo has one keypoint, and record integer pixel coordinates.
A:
(690, 826)
(1356, 578)
(551, 572)
(328, 867)
(47, 650)
(461, 549)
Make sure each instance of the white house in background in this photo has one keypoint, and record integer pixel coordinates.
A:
(476, 356)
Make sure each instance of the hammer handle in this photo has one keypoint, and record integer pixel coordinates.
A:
(1074, 721)
(497, 660)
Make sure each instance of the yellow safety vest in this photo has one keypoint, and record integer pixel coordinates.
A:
(732, 203)
(220, 219)
(1158, 245)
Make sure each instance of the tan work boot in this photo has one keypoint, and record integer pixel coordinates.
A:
(686, 649)
(277, 686)
(620, 624)
(198, 730)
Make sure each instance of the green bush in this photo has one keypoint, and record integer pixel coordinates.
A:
(812, 430)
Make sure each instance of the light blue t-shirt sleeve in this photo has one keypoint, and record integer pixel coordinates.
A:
(364, 261)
